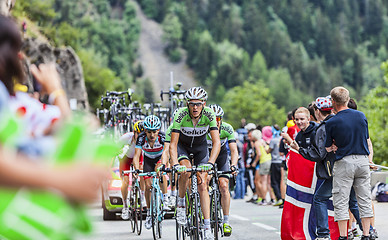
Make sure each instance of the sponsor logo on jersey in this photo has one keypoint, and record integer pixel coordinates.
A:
(209, 114)
(194, 132)
(227, 128)
(181, 115)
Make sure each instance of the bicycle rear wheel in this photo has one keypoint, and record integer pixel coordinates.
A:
(138, 211)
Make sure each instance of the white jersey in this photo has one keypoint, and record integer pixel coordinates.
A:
(36, 115)
(127, 139)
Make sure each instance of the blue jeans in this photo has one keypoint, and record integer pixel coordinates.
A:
(321, 198)
(239, 191)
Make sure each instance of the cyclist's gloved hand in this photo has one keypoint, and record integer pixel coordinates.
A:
(234, 169)
(206, 167)
(180, 168)
(162, 167)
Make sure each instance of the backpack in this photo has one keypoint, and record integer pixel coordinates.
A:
(381, 192)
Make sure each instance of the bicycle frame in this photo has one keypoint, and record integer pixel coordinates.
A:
(216, 214)
(156, 211)
(135, 204)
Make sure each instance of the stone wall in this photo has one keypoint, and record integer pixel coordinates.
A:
(68, 65)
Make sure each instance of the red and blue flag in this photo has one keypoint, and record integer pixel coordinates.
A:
(298, 218)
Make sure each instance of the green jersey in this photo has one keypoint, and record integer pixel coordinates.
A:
(226, 134)
(167, 138)
(191, 135)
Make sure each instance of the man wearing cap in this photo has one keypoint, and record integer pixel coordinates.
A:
(346, 136)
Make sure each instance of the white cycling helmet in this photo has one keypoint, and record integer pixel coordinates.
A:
(217, 110)
(196, 93)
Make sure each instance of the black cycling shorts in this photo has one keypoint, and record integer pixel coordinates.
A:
(201, 153)
(223, 162)
(150, 164)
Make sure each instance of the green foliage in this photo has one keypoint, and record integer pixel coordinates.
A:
(144, 90)
(202, 54)
(253, 102)
(374, 105)
(149, 7)
(259, 66)
(172, 34)
(174, 55)
(321, 44)
(283, 91)
(40, 11)
(98, 78)
(65, 35)
(231, 65)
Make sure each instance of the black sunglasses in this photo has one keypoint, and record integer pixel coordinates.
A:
(197, 104)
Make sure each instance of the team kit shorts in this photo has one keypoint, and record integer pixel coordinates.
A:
(126, 162)
(201, 153)
(223, 163)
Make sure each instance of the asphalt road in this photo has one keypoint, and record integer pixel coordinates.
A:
(249, 222)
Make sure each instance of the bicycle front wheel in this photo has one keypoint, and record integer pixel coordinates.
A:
(132, 210)
(180, 231)
(214, 213)
(155, 211)
(195, 233)
(138, 211)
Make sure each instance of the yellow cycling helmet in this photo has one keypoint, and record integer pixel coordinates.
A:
(138, 126)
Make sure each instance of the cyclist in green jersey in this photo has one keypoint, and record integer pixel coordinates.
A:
(190, 127)
(226, 135)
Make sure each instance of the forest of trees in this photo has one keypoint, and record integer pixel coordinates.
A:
(299, 47)
(251, 55)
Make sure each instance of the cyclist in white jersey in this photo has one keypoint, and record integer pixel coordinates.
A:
(129, 139)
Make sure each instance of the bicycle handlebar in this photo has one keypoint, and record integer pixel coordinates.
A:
(114, 93)
(171, 93)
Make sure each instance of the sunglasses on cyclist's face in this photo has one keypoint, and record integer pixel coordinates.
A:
(197, 104)
(218, 119)
(151, 131)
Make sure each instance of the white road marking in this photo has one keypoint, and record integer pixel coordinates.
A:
(266, 227)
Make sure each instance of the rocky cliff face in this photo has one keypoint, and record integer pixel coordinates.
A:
(6, 6)
(68, 66)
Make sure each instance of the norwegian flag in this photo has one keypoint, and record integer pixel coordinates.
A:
(298, 218)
